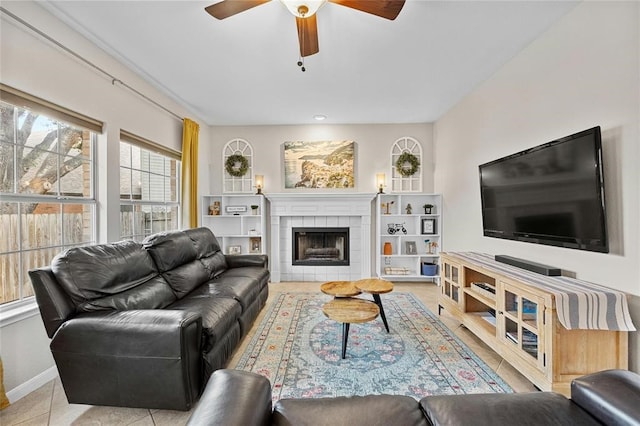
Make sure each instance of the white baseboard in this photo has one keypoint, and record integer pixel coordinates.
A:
(30, 385)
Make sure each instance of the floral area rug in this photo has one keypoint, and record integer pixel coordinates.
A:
(299, 350)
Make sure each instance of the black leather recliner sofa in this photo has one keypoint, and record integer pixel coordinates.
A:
(145, 324)
(240, 398)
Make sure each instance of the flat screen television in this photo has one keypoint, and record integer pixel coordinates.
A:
(551, 194)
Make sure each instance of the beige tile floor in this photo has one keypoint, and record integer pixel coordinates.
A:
(48, 405)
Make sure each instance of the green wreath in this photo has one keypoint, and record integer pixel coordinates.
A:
(407, 164)
(236, 165)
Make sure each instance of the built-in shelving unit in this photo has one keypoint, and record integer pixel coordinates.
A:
(238, 228)
(518, 320)
(412, 237)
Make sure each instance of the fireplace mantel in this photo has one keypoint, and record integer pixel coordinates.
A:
(321, 209)
(322, 204)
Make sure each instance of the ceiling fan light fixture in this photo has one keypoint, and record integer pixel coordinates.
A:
(303, 8)
(305, 13)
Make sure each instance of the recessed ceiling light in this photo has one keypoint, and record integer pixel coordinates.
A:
(319, 117)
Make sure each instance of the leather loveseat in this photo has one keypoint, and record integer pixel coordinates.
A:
(145, 324)
(239, 398)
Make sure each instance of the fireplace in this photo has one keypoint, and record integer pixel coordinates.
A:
(289, 210)
(320, 246)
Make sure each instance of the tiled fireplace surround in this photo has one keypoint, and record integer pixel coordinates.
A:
(351, 210)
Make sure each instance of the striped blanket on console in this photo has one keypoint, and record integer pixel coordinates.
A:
(579, 304)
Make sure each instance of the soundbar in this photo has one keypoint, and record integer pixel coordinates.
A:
(539, 268)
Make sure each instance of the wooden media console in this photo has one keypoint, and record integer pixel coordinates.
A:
(517, 318)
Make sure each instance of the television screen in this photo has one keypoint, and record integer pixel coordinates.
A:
(550, 194)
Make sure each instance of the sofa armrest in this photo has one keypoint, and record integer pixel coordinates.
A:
(611, 396)
(234, 397)
(150, 332)
(235, 261)
(500, 409)
(53, 302)
(137, 358)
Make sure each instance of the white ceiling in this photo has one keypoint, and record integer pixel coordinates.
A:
(242, 70)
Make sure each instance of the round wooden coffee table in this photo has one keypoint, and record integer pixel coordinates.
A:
(376, 287)
(340, 289)
(349, 310)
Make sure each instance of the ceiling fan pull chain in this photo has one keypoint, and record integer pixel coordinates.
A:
(302, 9)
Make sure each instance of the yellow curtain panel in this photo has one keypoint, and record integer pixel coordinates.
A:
(4, 402)
(190, 131)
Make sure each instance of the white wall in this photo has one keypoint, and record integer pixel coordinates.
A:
(583, 72)
(33, 65)
(373, 145)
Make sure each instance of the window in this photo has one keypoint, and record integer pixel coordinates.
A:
(46, 188)
(149, 188)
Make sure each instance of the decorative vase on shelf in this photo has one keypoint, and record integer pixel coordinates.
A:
(215, 209)
(387, 249)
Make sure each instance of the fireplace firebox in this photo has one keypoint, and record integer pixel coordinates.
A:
(320, 246)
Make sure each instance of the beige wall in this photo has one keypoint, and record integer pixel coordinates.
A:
(583, 72)
(373, 145)
(33, 65)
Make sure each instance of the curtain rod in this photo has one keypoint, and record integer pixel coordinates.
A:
(113, 78)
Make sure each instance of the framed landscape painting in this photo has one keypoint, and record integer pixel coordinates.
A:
(324, 164)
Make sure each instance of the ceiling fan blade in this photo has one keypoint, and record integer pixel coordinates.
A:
(308, 35)
(227, 8)
(388, 9)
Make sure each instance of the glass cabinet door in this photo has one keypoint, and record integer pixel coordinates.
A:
(451, 284)
(522, 320)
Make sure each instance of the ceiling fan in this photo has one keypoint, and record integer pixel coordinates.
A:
(305, 13)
